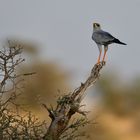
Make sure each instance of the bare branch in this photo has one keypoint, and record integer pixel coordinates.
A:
(68, 105)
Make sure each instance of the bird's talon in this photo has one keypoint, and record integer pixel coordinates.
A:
(103, 62)
(98, 63)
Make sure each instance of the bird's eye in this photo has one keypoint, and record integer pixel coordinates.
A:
(97, 25)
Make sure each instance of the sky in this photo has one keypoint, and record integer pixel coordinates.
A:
(63, 28)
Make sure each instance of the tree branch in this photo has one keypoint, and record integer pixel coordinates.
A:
(68, 105)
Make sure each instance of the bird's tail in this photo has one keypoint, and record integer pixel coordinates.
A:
(118, 41)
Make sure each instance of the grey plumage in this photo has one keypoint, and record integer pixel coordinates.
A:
(103, 38)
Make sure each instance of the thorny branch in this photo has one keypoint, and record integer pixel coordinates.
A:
(10, 58)
(13, 125)
(68, 105)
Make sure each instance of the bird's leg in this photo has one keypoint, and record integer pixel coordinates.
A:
(99, 57)
(104, 55)
(100, 52)
(105, 50)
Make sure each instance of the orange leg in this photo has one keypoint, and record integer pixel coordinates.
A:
(99, 57)
(104, 55)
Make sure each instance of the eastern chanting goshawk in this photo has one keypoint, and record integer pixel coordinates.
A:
(103, 38)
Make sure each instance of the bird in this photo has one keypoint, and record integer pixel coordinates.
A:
(103, 38)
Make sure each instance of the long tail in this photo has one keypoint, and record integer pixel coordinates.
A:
(118, 41)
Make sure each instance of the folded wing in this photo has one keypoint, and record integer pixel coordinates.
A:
(102, 37)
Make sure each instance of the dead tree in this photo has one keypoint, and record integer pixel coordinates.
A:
(68, 105)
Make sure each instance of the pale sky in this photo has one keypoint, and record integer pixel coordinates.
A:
(63, 28)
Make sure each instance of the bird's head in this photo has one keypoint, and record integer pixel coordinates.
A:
(96, 26)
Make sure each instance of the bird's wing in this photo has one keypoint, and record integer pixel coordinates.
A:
(102, 37)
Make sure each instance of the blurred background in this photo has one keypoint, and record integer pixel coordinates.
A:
(60, 49)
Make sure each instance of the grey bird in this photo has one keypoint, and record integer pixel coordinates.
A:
(103, 38)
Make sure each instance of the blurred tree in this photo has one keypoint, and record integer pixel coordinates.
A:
(120, 98)
(48, 83)
(119, 109)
